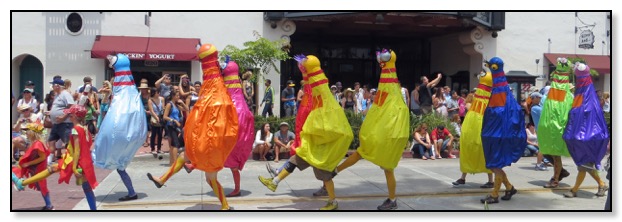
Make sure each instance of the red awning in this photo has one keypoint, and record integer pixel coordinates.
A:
(146, 48)
(600, 63)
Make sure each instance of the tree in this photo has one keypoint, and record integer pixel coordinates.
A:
(259, 54)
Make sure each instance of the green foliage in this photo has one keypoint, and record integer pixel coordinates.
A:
(608, 119)
(593, 72)
(259, 54)
(355, 120)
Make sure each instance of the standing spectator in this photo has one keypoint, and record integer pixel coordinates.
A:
(532, 147)
(348, 102)
(447, 93)
(174, 126)
(462, 104)
(453, 108)
(372, 97)
(358, 95)
(468, 102)
(300, 94)
(268, 99)
(73, 94)
(31, 85)
(61, 124)
(249, 90)
(283, 140)
(443, 140)
(106, 97)
(184, 87)
(90, 119)
(144, 98)
(333, 90)
(365, 104)
(192, 98)
(28, 99)
(536, 112)
(425, 96)
(405, 95)
(414, 101)
(262, 143)
(288, 97)
(339, 90)
(87, 81)
(440, 104)
(423, 142)
(606, 102)
(164, 85)
(456, 122)
(156, 108)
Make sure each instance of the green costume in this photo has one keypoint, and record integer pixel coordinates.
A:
(555, 111)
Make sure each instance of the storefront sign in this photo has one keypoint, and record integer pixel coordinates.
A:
(150, 56)
(586, 40)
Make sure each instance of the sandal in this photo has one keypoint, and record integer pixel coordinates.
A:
(490, 200)
(509, 193)
(158, 185)
(145, 144)
(570, 194)
(424, 158)
(551, 184)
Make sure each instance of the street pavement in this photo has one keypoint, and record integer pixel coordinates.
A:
(421, 185)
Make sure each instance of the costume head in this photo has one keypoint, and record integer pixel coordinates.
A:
(485, 78)
(386, 58)
(563, 65)
(307, 64)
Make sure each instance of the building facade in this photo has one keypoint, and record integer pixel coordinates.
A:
(71, 44)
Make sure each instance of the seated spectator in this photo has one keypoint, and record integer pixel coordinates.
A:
(262, 143)
(283, 140)
(19, 139)
(443, 140)
(532, 147)
(423, 143)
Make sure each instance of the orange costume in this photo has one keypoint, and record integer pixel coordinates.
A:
(211, 129)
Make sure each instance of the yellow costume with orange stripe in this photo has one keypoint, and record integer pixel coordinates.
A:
(326, 134)
(471, 150)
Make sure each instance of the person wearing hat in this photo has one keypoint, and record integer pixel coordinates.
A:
(283, 140)
(333, 90)
(28, 99)
(31, 85)
(348, 102)
(288, 97)
(61, 124)
(26, 116)
(144, 98)
(339, 90)
(77, 161)
(33, 162)
(87, 81)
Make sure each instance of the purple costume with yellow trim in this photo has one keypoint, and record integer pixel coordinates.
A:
(246, 121)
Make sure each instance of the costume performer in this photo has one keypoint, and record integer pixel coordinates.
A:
(384, 133)
(325, 135)
(503, 133)
(211, 129)
(554, 117)
(471, 151)
(124, 128)
(76, 161)
(33, 162)
(586, 133)
(246, 125)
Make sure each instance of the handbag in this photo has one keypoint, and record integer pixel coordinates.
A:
(47, 123)
(153, 121)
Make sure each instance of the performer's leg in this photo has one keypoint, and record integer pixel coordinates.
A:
(596, 177)
(175, 167)
(236, 181)
(557, 166)
(46, 198)
(498, 182)
(579, 181)
(351, 160)
(509, 188)
(39, 176)
(490, 180)
(506, 182)
(390, 176)
(212, 180)
(90, 196)
(127, 181)
(330, 189)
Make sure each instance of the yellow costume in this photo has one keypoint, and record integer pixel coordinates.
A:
(471, 150)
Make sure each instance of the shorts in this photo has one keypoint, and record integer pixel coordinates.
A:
(301, 164)
(60, 131)
(173, 136)
(444, 146)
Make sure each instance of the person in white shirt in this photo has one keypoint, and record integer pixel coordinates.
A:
(262, 143)
(28, 99)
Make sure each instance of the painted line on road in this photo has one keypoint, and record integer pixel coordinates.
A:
(246, 201)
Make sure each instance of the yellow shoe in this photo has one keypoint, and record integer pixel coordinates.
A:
(330, 205)
(268, 183)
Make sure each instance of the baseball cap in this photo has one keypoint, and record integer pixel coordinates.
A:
(536, 94)
(28, 90)
(30, 83)
(77, 110)
(55, 78)
(284, 124)
(372, 90)
(333, 86)
(338, 84)
(290, 83)
(58, 81)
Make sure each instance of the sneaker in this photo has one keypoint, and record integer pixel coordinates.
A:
(602, 191)
(570, 194)
(487, 185)
(268, 183)
(451, 156)
(459, 182)
(330, 205)
(541, 167)
(508, 194)
(490, 200)
(271, 170)
(388, 205)
(321, 192)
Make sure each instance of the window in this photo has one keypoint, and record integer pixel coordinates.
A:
(74, 23)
